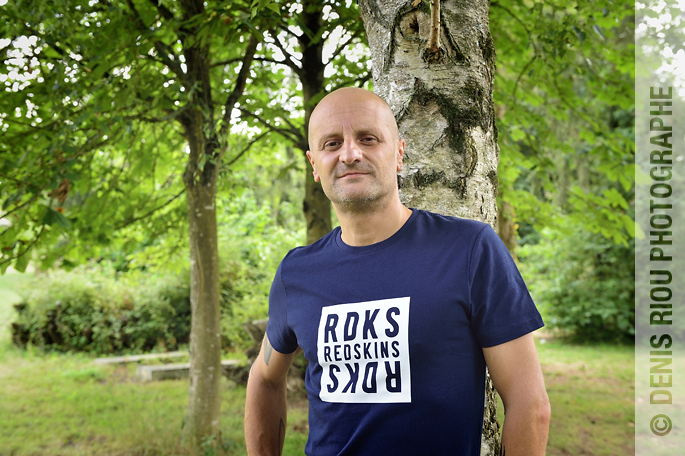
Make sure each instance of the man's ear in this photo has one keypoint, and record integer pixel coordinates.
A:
(317, 178)
(400, 154)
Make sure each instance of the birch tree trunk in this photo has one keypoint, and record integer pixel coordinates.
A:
(442, 100)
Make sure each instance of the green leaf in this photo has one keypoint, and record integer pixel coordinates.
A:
(616, 199)
(12, 199)
(22, 262)
(517, 134)
(587, 136)
(598, 30)
(52, 217)
(630, 225)
(579, 33)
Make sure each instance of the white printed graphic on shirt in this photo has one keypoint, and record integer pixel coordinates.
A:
(363, 349)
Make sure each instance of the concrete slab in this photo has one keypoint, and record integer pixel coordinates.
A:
(137, 358)
(178, 371)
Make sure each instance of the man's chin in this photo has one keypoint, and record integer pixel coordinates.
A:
(356, 202)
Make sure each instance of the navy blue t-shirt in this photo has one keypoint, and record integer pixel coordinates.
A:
(394, 332)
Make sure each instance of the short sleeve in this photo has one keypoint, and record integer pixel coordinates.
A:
(501, 306)
(281, 337)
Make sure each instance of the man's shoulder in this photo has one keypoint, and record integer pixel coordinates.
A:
(448, 223)
(315, 248)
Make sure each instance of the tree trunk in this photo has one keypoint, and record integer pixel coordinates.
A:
(316, 206)
(443, 104)
(506, 227)
(201, 421)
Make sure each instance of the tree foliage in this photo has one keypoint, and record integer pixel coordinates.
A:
(565, 105)
(92, 145)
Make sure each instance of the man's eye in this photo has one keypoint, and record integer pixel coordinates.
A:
(330, 144)
(368, 139)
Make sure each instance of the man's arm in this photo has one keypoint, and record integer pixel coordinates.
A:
(517, 376)
(265, 405)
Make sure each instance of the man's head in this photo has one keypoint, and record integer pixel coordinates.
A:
(354, 149)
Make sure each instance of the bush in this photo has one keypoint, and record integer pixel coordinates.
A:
(107, 308)
(583, 284)
(94, 310)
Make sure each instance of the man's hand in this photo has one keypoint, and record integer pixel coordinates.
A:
(517, 376)
(265, 405)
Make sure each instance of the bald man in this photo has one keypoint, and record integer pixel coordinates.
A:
(398, 312)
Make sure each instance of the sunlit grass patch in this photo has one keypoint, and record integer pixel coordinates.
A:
(63, 404)
(591, 390)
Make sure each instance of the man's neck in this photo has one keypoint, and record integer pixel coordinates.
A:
(370, 227)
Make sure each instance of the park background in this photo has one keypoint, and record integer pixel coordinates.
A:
(94, 221)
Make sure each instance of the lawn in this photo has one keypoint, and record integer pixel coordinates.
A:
(591, 389)
(55, 404)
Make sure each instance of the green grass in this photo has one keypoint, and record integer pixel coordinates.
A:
(591, 391)
(62, 404)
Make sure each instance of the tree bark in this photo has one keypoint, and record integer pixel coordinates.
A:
(443, 104)
(506, 226)
(202, 415)
(207, 145)
(316, 206)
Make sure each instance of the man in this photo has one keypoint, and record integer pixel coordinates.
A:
(398, 312)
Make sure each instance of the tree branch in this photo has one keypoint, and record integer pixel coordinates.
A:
(360, 81)
(288, 57)
(163, 10)
(28, 247)
(165, 53)
(434, 39)
(174, 65)
(518, 79)
(289, 32)
(240, 82)
(523, 24)
(166, 118)
(343, 46)
(296, 137)
(293, 129)
(258, 59)
(132, 220)
(29, 201)
(242, 152)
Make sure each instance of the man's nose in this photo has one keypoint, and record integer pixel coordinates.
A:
(350, 152)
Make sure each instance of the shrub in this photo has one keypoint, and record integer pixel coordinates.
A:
(105, 308)
(583, 284)
(96, 309)
(92, 310)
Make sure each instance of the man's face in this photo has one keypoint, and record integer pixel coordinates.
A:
(354, 149)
